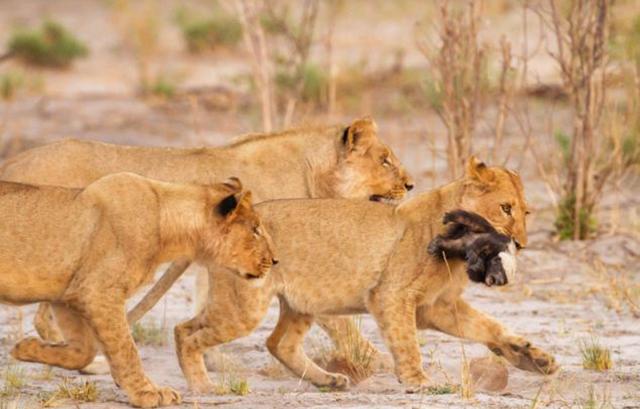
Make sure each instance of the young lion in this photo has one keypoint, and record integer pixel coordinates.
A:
(349, 257)
(337, 161)
(87, 250)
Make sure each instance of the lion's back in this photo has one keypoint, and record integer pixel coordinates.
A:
(330, 250)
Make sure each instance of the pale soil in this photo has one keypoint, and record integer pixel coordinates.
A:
(565, 293)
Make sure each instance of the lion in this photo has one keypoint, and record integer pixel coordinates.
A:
(336, 161)
(87, 250)
(350, 257)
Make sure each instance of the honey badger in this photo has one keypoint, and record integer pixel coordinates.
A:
(490, 255)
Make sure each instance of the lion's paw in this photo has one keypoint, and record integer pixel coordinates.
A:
(334, 381)
(25, 350)
(338, 381)
(151, 397)
(525, 356)
(202, 387)
(416, 382)
(536, 360)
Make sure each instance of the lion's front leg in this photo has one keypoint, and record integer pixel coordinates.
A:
(106, 314)
(395, 316)
(461, 320)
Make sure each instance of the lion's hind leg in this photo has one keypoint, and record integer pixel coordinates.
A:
(346, 336)
(285, 343)
(46, 325)
(75, 352)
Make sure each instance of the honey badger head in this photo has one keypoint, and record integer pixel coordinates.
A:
(490, 255)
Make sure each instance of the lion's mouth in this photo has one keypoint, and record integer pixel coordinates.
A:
(384, 199)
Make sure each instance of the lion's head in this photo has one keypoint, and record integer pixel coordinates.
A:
(237, 239)
(367, 168)
(497, 194)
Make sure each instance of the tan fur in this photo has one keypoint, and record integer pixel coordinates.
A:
(346, 257)
(300, 163)
(87, 250)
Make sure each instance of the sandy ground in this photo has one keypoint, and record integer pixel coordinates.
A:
(566, 293)
(557, 302)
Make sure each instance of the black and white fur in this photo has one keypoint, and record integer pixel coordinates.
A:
(490, 255)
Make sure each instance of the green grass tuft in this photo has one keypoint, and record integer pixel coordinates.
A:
(565, 221)
(149, 334)
(10, 84)
(202, 34)
(51, 45)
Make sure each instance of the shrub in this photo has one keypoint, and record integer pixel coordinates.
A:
(51, 45)
(202, 34)
(163, 87)
(565, 220)
(10, 84)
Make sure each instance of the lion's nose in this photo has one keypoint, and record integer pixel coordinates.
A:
(518, 245)
(408, 186)
(274, 261)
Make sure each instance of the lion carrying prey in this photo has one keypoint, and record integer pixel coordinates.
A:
(87, 250)
(348, 257)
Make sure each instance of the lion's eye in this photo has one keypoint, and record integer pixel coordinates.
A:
(386, 162)
(256, 230)
(506, 207)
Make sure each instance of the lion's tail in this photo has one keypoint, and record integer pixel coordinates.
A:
(158, 290)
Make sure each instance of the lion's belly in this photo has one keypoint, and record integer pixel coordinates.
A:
(41, 243)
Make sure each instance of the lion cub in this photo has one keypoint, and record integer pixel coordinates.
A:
(342, 257)
(87, 250)
(490, 255)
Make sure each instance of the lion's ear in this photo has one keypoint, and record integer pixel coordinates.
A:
(357, 136)
(233, 184)
(227, 205)
(232, 205)
(478, 171)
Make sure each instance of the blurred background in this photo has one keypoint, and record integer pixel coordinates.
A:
(550, 88)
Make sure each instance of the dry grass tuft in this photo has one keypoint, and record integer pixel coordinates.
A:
(230, 381)
(83, 391)
(595, 400)
(14, 380)
(595, 356)
(351, 357)
(149, 334)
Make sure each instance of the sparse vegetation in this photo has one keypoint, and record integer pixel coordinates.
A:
(78, 391)
(51, 45)
(163, 87)
(231, 384)
(443, 389)
(149, 334)
(595, 356)
(14, 380)
(457, 85)
(351, 358)
(594, 400)
(10, 83)
(201, 34)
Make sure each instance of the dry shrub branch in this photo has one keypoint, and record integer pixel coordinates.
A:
(595, 151)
